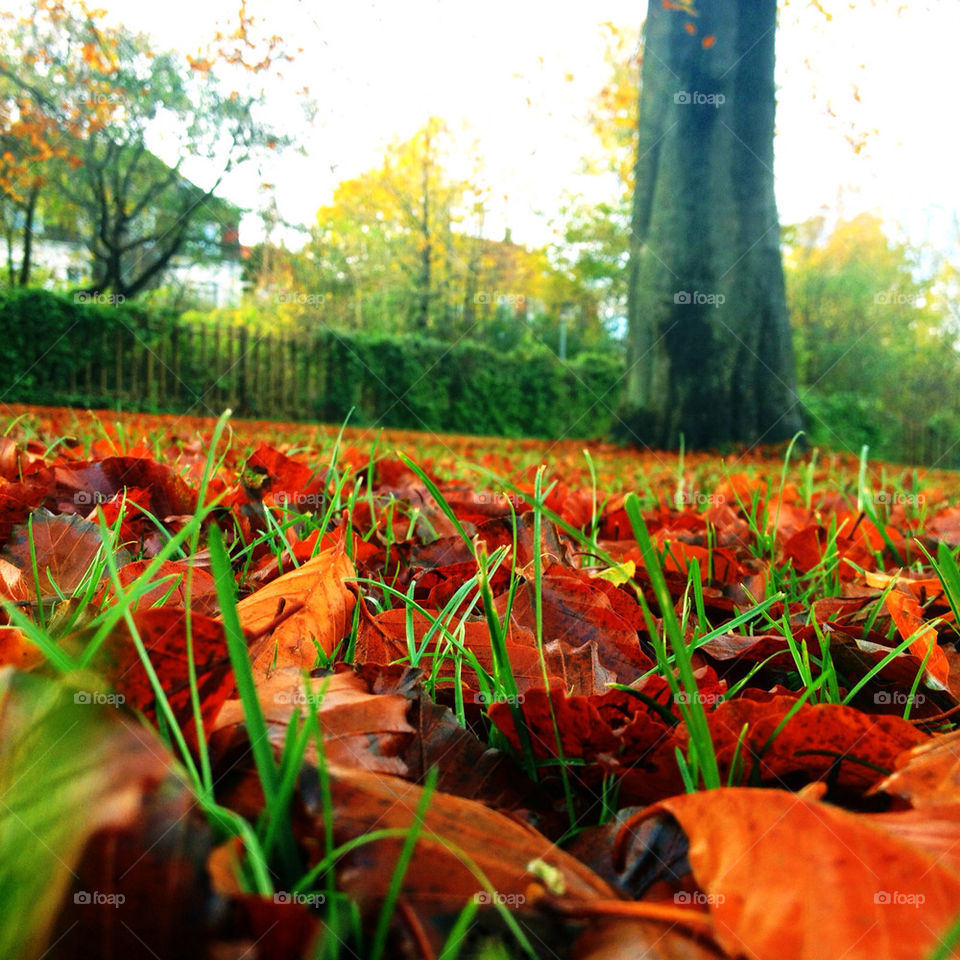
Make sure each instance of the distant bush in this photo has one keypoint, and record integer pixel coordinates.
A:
(58, 350)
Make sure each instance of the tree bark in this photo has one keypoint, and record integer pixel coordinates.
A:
(709, 354)
(30, 212)
(426, 251)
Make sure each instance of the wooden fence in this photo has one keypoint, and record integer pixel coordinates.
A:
(205, 369)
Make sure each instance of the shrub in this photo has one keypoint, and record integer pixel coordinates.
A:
(58, 350)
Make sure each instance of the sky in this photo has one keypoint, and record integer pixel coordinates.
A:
(514, 80)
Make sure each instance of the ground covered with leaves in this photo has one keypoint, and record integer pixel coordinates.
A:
(283, 691)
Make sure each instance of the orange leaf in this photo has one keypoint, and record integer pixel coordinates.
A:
(906, 614)
(360, 728)
(787, 877)
(324, 620)
(927, 774)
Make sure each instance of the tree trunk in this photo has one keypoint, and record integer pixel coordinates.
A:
(426, 241)
(709, 353)
(11, 267)
(29, 213)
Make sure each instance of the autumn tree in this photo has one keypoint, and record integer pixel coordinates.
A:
(709, 351)
(390, 231)
(49, 101)
(402, 243)
(877, 362)
(137, 212)
(405, 247)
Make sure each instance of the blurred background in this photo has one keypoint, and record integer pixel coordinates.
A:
(418, 214)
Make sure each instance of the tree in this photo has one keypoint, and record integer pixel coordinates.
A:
(709, 351)
(142, 211)
(108, 91)
(401, 247)
(390, 231)
(877, 361)
(47, 105)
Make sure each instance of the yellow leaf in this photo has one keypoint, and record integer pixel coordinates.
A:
(618, 574)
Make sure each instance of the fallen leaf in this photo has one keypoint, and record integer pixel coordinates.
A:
(787, 878)
(319, 626)
(906, 613)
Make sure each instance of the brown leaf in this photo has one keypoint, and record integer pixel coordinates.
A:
(816, 739)
(81, 486)
(91, 806)
(637, 940)
(64, 547)
(173, 590)
(468, 768)
(614, 732)
(163, 631)
(929, 774)
(359, 728)
(382, 639)
(438, 881)
(577, 610)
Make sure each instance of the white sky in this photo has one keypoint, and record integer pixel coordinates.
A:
(377, 69)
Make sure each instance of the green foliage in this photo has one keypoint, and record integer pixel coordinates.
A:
(877, 361)
(45, 339)
(844, 418)
(57, 350)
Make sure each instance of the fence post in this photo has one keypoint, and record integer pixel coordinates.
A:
(134, 372)
(175, 361)
(150, 393)
(272, 367)
(103, 365)
(244, 371)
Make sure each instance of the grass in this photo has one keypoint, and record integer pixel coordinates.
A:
(273, 861)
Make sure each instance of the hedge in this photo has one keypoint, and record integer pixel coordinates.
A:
(57, 350)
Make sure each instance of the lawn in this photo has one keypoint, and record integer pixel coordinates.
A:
(276, 690)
